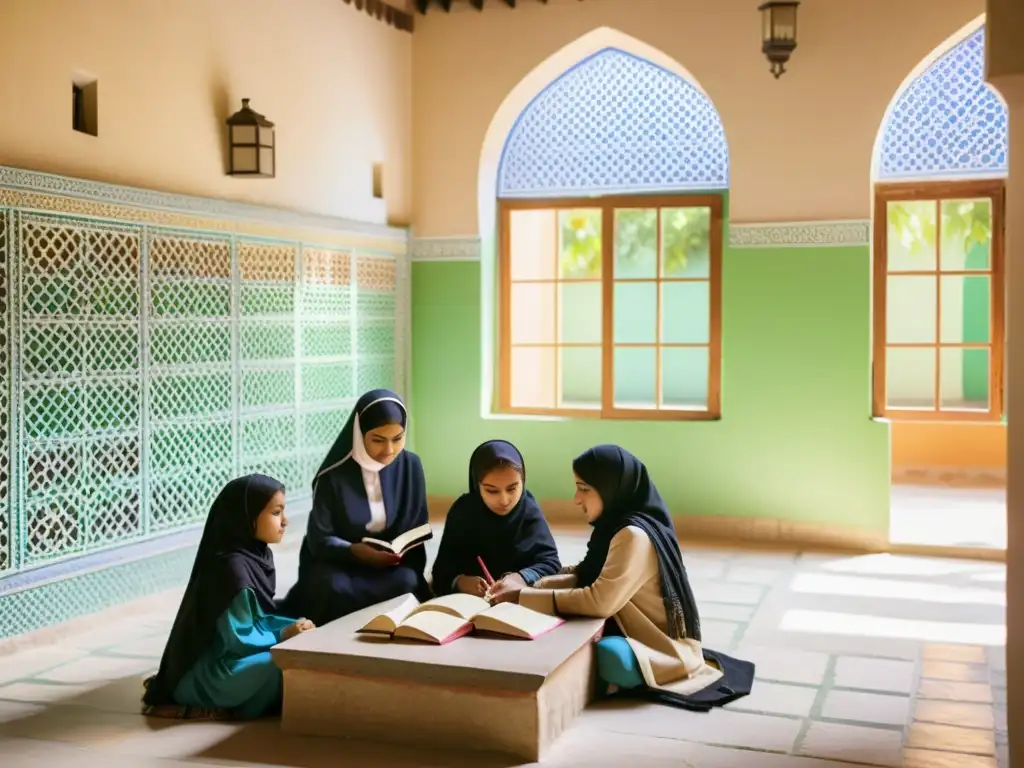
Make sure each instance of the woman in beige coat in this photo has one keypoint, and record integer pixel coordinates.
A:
(633, 573)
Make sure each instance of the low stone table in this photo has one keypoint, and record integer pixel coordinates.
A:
(480, 693)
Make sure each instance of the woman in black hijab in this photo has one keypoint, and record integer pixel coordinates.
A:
(217, 659)
(367, 486)
(498, 521)
(633, 573)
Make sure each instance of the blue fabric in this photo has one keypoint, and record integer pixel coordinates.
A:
(230, 559)
(617, 664)
(531, 576)
(236, 672)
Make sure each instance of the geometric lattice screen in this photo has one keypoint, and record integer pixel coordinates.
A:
(615, 123)
(143, 367)
(948, 122)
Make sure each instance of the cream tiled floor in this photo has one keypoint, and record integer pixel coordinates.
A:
(876, 660)
(948, 517)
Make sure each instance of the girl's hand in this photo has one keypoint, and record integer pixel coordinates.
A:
(507, 590)
(375, 558)
(471, 585)
(300, 626)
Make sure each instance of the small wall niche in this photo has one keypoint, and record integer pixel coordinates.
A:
(378, 181)
(85, 103)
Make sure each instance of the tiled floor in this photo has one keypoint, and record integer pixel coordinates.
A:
(876, 660)
(948, 517)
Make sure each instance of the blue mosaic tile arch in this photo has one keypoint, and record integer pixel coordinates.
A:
(948, 122)
(615, 123)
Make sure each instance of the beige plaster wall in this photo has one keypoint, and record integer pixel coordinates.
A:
(800, 146)
(1004, 52)
(336, 82)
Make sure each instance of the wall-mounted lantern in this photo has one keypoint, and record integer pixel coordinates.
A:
(778, 33)
(252, 146)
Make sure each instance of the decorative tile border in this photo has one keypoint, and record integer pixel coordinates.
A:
(93, 199)
(68, 598)
(462, 248)
(800, 234)
(52, 595)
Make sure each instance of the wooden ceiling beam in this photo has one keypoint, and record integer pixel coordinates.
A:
(384, 11)
(422, 5)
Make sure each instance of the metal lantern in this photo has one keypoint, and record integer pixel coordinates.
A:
(251, 139)
(778, 33)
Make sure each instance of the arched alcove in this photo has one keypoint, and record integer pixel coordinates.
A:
(939, 161)
(605, 115)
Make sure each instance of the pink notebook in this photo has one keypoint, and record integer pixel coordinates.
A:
(433, 627)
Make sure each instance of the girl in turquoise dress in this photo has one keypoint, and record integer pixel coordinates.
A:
(217, 660)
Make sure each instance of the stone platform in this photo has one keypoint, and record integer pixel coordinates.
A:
(480, 693)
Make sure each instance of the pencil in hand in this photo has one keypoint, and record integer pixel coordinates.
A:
(487, 574)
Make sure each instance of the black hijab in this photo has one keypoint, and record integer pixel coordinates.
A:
(374, 409)
(630, 498)
(518, 541)
(230, 559)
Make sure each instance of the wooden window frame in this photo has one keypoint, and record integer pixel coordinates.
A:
(608, 205)
(995, 190)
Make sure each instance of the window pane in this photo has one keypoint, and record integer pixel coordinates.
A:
(580, 310)
(965, 309)
(580, 246)
(686, 312)
(966, 234)
(910, 310)
(910, 378)
(635, 377)
(963, 382)
(684, 377)
(532, 245)
(533, 377)
(636, 313)
(533, 313)
(910, 243)
(580, 377)
(636, 242)
(686, 242)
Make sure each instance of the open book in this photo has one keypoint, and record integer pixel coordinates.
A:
(405, 542)
(444, 619)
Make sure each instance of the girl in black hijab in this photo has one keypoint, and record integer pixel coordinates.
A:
(633, 573)
(498, 521)
(367, 486)
(217, 659)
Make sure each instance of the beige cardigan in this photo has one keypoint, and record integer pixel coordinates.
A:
(629, 588)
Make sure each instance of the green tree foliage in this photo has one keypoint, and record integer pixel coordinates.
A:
(967, 221)
(685, 236)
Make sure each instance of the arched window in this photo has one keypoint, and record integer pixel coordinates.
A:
(938, 269)
(611, 241)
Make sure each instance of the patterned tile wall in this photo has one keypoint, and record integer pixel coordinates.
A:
(143, 365)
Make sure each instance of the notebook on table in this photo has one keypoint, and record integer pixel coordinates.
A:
(447, 618)
(402, 544)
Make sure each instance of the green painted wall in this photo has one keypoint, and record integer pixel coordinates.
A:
(796, 441)
(976, 326)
